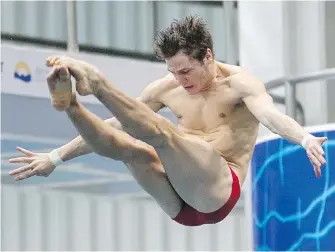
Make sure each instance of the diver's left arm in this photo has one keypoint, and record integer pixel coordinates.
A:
(260, 104)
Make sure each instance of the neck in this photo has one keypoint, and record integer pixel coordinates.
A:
(213, 73)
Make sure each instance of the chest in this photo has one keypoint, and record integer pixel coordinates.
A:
(202, 112)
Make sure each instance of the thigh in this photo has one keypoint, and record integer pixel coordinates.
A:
(153, 179)
(197, 172)
(146, 168)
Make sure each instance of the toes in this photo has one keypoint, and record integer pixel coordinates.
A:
(48, 61)
(53, 60)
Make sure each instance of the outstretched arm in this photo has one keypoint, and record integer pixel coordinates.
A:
(260, 104)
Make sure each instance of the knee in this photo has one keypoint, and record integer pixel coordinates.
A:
(157, 134)
(163, 133)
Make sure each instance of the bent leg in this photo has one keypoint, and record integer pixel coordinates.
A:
(103, 138)
(136, 117)
(140, 158)
(153, 179)
(197, 172)
(200, 176)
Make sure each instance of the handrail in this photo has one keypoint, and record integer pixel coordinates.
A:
(72, 36)
(319, 75)
(290, 84)
(282, 100)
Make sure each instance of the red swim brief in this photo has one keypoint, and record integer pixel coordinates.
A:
(188, 216)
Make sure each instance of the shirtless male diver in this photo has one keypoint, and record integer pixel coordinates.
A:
(193, 170)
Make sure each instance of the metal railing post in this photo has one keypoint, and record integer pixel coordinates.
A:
(228, 12)
(72, 39)
(290, 99)
(290, 86)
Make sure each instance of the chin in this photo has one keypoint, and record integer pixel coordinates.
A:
(193, 91)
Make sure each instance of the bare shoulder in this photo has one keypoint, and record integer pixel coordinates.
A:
(246, 84)
(159, 87)
(241, 80)
(231, 69)
(153, 94)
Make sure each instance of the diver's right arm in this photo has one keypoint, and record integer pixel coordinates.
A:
(43, 164)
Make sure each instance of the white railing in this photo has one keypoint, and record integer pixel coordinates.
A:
(72, 36)
(290, 86)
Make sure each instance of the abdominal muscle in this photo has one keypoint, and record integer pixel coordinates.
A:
(234, 145)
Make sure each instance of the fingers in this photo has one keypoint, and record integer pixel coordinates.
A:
(319, 150)
(26, 175)
(314, 160)
(322, 139)
(71, 64)
(318, 153)
(26, 152)
(317, 160)
(35, 165)
(74, 69)
(67, 63)
(75, 72)
(20, 170)
(20, 160)
(63, 73)
(317, 171)
(315, 163)
(60, 60)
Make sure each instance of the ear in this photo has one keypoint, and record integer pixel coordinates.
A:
(208, 56)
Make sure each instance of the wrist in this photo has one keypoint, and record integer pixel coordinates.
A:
(305, 139)
(55, 158)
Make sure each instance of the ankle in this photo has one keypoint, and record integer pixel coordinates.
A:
(99, 84)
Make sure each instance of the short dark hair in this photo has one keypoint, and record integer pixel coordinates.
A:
(189, 35)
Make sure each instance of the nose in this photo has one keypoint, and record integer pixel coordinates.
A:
(181, 79)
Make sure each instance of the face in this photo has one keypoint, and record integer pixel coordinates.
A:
(189, 72)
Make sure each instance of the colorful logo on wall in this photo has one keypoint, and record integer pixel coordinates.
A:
(22, 72)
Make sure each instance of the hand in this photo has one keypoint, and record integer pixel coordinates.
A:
(87, 76)
(38, 164)
(315, 153)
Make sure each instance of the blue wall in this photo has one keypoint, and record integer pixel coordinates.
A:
(292, 209)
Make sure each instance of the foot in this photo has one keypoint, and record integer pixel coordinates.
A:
(87, 76)
(60, 88)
